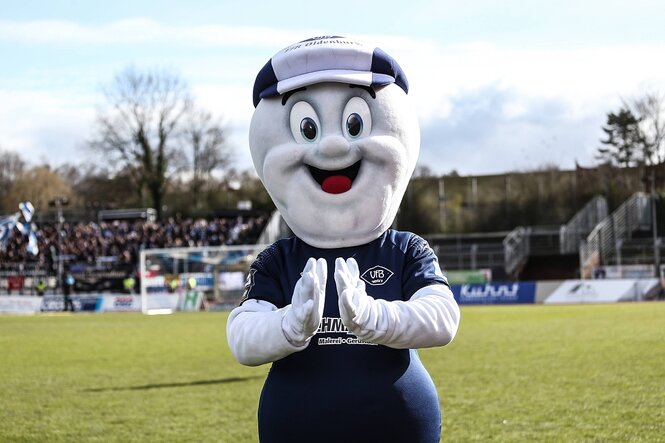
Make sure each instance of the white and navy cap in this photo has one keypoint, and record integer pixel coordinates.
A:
(327, 59)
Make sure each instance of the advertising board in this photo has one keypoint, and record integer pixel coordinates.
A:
(20, 304)
(81, 302)
(190, 301)
(119, 303)
(601, 291)
(495, 293)
(461, 277)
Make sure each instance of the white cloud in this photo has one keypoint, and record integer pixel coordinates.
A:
(577, 76)
(483, 135)
(486, 107)
(45, 126)
(140, 30)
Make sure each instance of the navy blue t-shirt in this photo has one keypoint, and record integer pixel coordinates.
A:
(341, 389)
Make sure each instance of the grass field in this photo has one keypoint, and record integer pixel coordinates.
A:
(522, 373)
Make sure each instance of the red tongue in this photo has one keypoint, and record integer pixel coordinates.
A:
(336, 184)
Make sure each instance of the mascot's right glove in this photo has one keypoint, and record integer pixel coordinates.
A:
(303, 317)
(259, 333)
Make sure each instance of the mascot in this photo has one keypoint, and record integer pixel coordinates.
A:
(340, 308)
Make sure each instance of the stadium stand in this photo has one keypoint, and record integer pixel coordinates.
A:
(110, 249)
(554, 251)
(102, 252)
(470, 251)
(549, 252)
(627, 238)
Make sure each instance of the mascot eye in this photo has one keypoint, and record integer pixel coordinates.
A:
(354, 125)
(304, 123)
(357, 118)
(308, 128)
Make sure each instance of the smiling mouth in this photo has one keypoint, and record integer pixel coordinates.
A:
(337, 181)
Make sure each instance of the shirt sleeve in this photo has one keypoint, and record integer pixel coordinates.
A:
(421, 267)
(264, 279)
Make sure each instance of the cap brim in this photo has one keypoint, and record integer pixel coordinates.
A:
(363, 78)
(337, 76)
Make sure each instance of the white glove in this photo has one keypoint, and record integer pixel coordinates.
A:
(258, 332)
(303, 316)
(429, 318)
(360, 312)
(254, 333)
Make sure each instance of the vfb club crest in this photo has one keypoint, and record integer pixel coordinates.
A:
(377, 275)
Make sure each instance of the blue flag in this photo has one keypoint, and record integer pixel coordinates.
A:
(32, 248)
(27, 228)
(27, 210)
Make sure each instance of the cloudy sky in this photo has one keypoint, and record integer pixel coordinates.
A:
(499, 85)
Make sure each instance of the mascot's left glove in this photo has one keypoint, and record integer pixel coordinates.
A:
(429, 318)
(258, 332)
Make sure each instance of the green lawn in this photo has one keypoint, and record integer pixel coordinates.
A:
(524, 373)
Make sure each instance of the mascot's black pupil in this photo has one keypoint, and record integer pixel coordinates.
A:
(354, 124)
(308, 128)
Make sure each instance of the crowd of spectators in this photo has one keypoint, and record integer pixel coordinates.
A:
(119, 242)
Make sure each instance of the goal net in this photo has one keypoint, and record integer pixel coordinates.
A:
(189, 279)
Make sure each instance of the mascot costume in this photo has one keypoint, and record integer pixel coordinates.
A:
(340, 308)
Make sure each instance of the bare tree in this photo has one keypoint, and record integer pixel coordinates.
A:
(651, 115)
(138, 131)
(209, 152)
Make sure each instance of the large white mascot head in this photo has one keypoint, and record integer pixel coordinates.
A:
(334, 139)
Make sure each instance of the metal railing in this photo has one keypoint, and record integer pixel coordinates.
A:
(470, 256)
(468, 251)
(607, 236)
(544, 240)
(637, 251)
(578, 228)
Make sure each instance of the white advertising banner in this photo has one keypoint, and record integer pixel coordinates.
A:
(132, 303)
(119, 303)
(165, 302)
(190, 301)
(20, 304)
(161, 301)
(647, 287)
(600, 291)
(231, 281)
